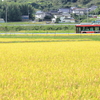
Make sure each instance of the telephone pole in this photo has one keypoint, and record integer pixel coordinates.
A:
(87, 15)
(5, 11)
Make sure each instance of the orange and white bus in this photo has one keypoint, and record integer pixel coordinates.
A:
(88, 28)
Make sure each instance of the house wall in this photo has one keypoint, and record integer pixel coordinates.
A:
(64, 19)
(40, 16)
(25, 18)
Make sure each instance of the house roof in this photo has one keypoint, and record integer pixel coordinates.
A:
(93, 7)
(64, 10)
(53, 12)
(66, 14)
(80, 9)
(73, 8)
(39, 12)
(48, 14)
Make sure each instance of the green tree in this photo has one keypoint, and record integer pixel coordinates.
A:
(13, 12)
(48, 18)
(2, 10)
(27, 9)
(57, 20)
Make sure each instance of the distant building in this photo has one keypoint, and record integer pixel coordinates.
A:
(2, 20)
(64, 18)
(39, 15)
(57, 15)
(93, 16)
(64, 10)
(80, 11)
(67, 20)
(25, 18)
(53, 12)
(66, 15)
(72, 8)
(53, 20)
(92, 8)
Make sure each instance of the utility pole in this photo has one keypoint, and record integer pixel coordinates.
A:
(87, 15)
(5, 11)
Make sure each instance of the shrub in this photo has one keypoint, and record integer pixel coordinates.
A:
(43, 27)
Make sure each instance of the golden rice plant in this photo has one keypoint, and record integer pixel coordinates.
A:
(50, 71)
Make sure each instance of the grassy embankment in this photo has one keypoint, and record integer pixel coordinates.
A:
(27, 27)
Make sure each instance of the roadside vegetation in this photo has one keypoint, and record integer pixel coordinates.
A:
(38, 28)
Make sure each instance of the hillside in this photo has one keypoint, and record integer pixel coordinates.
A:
(64, 2)
(55, 4)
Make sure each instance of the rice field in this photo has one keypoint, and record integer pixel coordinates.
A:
(50, 70)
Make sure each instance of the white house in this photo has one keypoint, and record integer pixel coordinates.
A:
(66, 15)
(80, 11)
(56, 15)
(53, 20)
(67, 20)
(64, 18)
(39, 15)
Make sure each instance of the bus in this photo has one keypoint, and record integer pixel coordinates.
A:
(88, 28)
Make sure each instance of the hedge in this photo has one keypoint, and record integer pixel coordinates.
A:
(43, 27)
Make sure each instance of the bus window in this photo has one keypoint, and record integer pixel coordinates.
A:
(97, 29)
(78, 29)
(91, 29)
(86, 29)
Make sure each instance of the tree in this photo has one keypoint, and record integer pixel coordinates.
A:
(14, 13)
(3, 10)
(57, 20)
(48, 17)
(26, 9)
(15, 0)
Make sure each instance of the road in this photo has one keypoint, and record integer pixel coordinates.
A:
(35, 33)
(32, 24)
(44, 33)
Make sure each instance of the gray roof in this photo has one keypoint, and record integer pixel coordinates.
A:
(65, 14)
(53, 12)
(80, 9)
(67, 10)
(38, 12)
(93, 7)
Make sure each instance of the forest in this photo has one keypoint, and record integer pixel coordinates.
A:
(14, 11)
(58, 3)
